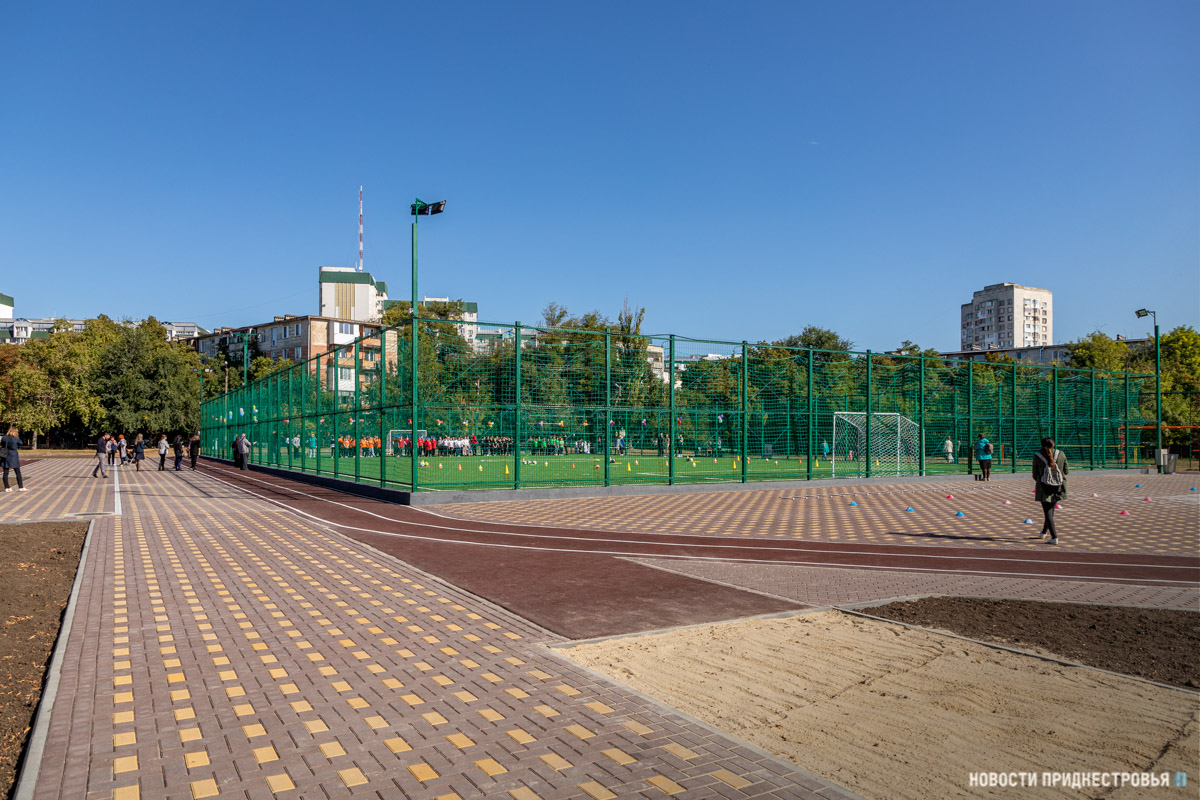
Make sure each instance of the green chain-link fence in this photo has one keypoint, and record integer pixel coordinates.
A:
(508, 406)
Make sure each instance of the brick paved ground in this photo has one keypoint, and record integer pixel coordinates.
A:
(222, 648)
(1165, 525)
(823, 586)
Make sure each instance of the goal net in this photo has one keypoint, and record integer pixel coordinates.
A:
(895, 444)
(389, 446)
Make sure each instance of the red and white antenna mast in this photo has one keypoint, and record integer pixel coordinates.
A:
(360, 249)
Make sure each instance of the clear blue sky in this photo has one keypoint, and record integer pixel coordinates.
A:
(740, 169)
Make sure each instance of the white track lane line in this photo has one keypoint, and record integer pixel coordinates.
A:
(624, 554)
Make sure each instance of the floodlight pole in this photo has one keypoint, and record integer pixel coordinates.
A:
(1143, 312)
(418, 209)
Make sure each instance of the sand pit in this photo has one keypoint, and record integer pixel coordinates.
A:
(891, 712)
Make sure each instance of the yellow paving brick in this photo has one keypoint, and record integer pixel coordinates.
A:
(730, 778)
(392, 683)
(679, 751)
(521, 736)
(434, 718)
(280, 783)
(185, 713)
(524, 793)
(397, 745)
(122, 717)
(490, 767)
(638, 728)
(412, 699)
(357, 703)
(599, 708)
(422, 771)
(264, 754)
(460, 740)
(197, 759)
(123, 739)
(127, 793)
(122, 680)
(125, 764)
(596, 791)
(254, 730)
(491, 715)
(301, 706)
(332, 749)
(289, 688)
(555, 761)
(204, 788)
(517, 693)
(466, 697)
(569, 691)
(340, 686)
(316, 726)
(376, 722)
(235, 691)
(122, 697)
(666, 785)
(619, 756)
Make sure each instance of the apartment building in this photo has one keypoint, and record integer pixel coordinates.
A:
(301, 338)
(1007, 315)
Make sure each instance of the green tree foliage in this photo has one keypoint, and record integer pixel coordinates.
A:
(1098, 351)
(147, 384)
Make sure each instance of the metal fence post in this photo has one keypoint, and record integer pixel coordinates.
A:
(745, 406)
(921, 415)
(357, 409)
(337, 408)
(317, 415)
(517, 414)
(1092, 426)
(303, 416)
(383, 445)
(812, 411)
(1054, 405)
(869, 414)
(1012, 402)
(671, 422)
(414, 459)
(970, 416)
(607, 405)
(1125, 426)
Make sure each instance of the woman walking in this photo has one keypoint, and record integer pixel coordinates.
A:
(162, 452)
(194, 449)
(10, 459)
(139, 453)
(1050, 477)
(177, 446)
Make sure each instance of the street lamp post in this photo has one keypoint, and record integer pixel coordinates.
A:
(419, 209)
(244, 338)
(1143, 312)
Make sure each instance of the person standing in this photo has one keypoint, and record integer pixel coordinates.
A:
(139, 453)
(111, 448)
(10, 459)
(983, 452)
(243, 449)
(162, 452)
(101, 455)
(177, 446)
(1050, 480)
(194, 449)
(121, 449)
(948, 449)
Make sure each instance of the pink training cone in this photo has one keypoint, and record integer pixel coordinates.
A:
(949, 497)
(1008, 502)
(1147, 499)
(1124, 514)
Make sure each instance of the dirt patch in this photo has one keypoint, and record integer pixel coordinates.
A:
(38, 562)
(898, 713)
(1151, 643)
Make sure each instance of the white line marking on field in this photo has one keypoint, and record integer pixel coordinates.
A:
(116, 493)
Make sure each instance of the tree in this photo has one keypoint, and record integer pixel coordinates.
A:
(146, 383)
(1098, 351)
(30, 403)
(818, 339)
(66, 361)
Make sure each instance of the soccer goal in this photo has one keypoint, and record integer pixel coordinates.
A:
(389, 445)
(895, 444)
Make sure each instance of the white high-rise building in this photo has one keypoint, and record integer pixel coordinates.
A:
(1005, 315)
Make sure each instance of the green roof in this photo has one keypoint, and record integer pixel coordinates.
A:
(5, 300)
(471, 308)
(381, 287)
(348, 277)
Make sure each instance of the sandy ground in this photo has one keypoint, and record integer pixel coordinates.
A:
(890, 712)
